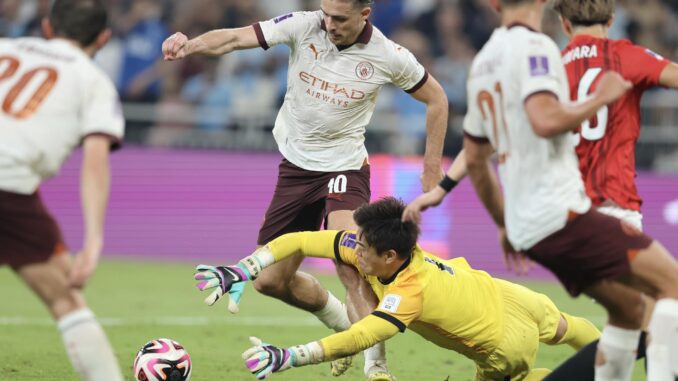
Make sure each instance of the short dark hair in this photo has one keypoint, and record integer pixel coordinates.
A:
(382, 227)
(78, 20)
(585, 12)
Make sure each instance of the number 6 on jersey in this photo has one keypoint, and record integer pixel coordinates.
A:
(583, 90)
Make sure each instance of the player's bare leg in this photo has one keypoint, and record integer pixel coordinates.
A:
(572, 368)
(285, 282)
(615, 356)
(655, 272)
(85, 341)
(360, 300)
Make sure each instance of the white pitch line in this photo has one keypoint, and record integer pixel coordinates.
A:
(258, 321)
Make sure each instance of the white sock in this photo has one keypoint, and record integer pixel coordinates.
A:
(88, 348)
(618, 345)
(662, 353)
(375, 356)
(334, 314)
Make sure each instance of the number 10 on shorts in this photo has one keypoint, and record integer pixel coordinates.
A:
(337, 184)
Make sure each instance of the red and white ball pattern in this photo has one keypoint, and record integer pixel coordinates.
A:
(162, 360)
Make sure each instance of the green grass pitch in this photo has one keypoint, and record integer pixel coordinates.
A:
(139, 301)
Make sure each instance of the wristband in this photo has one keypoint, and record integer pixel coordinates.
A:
(447, 183)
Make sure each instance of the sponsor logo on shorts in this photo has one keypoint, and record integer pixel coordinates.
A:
(349, 241)
(539, 66)
(391, 303)
(364, 70)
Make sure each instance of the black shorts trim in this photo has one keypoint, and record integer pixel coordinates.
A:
(400, 325)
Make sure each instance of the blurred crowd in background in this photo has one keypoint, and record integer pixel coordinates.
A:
(231, 101)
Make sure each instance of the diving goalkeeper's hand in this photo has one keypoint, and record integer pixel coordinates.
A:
(231, 279)
(263, 358)
(223, 279)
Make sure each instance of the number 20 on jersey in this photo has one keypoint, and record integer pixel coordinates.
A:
(17, 102)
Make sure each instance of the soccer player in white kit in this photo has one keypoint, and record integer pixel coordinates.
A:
(519, 108)
(338, 62)
(53, 99)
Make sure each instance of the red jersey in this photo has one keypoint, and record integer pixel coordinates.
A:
(606, 143)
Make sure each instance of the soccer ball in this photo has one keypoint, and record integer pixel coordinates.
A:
(162, 360)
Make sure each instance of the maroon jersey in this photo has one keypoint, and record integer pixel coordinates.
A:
(606, 142)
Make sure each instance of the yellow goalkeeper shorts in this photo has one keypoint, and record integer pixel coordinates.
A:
(530, 318)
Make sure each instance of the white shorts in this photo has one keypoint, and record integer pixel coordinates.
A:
(631, 216)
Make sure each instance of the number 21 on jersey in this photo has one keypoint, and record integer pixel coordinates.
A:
(42, 79)
(493, 109)
(588, 130)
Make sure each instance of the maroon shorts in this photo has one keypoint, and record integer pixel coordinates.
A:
(591, 247)
(303, 198)
(28, 233)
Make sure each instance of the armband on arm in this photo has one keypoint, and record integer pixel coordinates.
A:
(447, 183)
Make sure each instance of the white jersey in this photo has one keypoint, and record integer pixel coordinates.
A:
(331, 91)
(52, 97)
(540, 177)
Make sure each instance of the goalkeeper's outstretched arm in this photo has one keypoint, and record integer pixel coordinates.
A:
(309, 244)
(263, 359)
(230, 279)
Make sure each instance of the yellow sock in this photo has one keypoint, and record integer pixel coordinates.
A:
(537, 374)
(580, 332)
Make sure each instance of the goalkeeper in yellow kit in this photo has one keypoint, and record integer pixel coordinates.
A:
(495, 323)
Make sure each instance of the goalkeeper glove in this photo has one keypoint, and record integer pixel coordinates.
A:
(223, 279)
(231, 279)
(263, 358)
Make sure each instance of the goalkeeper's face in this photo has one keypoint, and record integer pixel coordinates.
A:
(369, 259)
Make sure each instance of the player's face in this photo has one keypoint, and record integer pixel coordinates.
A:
(369, 260)
(343, 20)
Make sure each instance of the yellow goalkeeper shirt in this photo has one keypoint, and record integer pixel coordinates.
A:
(445, 301)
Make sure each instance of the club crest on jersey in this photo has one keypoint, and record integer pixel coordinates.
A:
(349, 241)
(539, 65)
(364, 70)
(391, 303)
(282, 18)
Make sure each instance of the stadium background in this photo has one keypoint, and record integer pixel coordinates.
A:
(199, 163)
